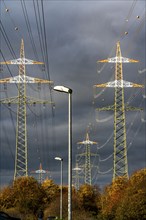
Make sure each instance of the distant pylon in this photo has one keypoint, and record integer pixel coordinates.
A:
(77, 176)
(40, 172)
(87, 156)
(21, 167)
(120, 146)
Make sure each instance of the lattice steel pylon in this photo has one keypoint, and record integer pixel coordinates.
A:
(120, 167)
(77, 176)
(87, 154)
(21, 165)
(40, 173)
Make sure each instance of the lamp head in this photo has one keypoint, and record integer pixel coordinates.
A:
(62, 89)
(58, 158)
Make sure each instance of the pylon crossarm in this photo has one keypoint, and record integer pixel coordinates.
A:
(118, 59)
(77, 169)
(138, 85)
(93, 155)
(37, 80)
(132, 108)
(127, 84)
(107, 108)
(20, 61)
(6, 80)
(102, 61)
(33, 101)
(12, 100)
(24, 79)
(101, 85)
(40, 171)
(87, 142)
(29, 100)
(119, 84)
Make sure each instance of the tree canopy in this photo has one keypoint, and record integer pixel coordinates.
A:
(123, 199)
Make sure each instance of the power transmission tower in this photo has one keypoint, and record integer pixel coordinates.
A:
(21, 167)
(120, 167)
(87, 154)
(77, 176)
(40, 173)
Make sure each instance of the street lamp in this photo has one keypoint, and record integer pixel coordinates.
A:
(69, 91)
(61, 183)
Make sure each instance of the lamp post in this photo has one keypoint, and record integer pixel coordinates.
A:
(69, 92)
(61, 183)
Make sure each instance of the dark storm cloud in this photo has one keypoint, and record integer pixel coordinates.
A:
(78, 34)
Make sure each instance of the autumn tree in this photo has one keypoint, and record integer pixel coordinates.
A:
(111, 198)
(51, 189)
(28, 195)
(53, 209)
(88, 198)
(6, 198)
(133, 204)
(78, 212)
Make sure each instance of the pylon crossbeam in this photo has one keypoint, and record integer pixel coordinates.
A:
(24, 79)
(119, 59)
(29, 100)
(119, 84)
(21, 61)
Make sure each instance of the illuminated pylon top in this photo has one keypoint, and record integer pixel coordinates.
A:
(40, 170)
(118, 58)
(87, 141)
(22, 61)
(119, 82)
(77, 168)
(24, 79)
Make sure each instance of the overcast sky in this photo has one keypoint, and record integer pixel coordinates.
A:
(78, 33)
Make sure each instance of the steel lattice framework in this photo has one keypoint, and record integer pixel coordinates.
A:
(120, 167)
(40, 173)
(21, 167)
(87, 156)
(77, 176)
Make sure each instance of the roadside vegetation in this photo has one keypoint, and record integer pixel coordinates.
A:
(121, 200)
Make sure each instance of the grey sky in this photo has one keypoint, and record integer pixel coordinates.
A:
(78, 34)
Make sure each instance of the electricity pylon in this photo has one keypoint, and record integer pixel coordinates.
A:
(40, 173)
(21, 167)
(87, 154)
(120, 167)
(77, 176)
